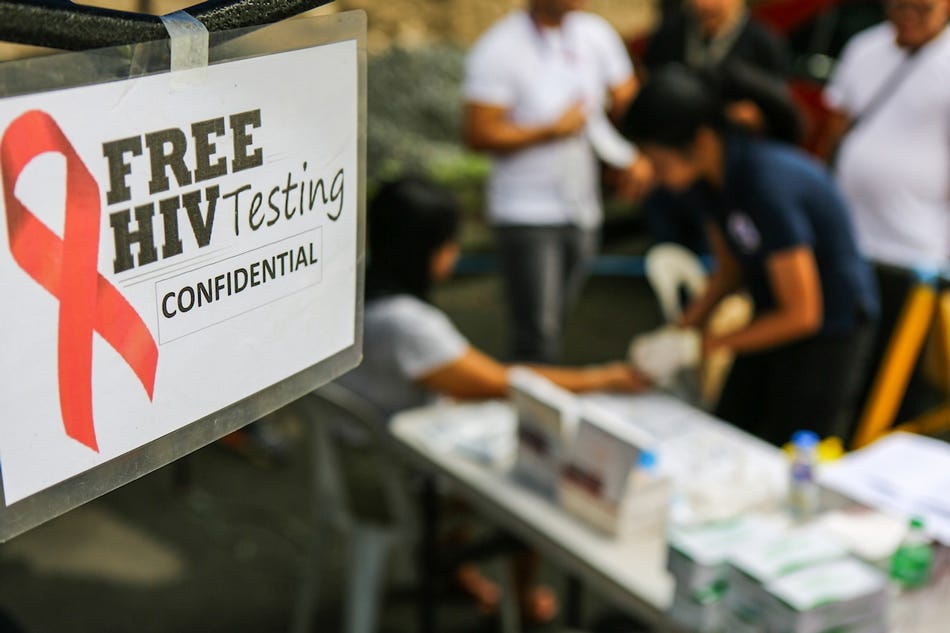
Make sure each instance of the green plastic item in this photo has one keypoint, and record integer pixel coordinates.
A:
(912, 563)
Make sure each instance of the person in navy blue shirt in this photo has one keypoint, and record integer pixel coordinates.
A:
(779, 229)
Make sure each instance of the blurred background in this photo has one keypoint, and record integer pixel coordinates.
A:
(214, 543)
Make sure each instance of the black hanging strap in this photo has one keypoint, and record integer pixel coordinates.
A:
(64, 25)
(886, 90)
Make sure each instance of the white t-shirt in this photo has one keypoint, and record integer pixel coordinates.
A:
(537, 74)
(894, 167)
(404, 340)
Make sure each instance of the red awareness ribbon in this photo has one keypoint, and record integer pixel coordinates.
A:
(67, 268)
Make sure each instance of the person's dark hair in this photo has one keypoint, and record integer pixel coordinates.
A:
(408, 220)
(671, 107)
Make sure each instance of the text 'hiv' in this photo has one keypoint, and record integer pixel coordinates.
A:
(203, 155)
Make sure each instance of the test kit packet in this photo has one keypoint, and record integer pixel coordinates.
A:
(547, 423)
(602, 484)
(697, 559)
(769, 559)
(829, 596)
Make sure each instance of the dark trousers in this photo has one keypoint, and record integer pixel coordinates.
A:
(810, 384)
(544, 270)
(920, 396)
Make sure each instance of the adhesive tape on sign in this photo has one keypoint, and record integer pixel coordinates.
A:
(189, 41)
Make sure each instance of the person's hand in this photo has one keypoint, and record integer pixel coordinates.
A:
(711, 344)
(746, 114)
(623, 377)
(571, 121)
(665, 352)
(636, 180)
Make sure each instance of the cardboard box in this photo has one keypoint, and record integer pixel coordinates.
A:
(602, 484)
(547, 424)
(699, 616)
(736, 623)
(698, 555)
(826, 597)
(769, 559)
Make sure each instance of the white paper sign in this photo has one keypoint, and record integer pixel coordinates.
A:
(171, 248)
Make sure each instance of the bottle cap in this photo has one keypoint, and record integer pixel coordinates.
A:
(646, 460)
(805, 439)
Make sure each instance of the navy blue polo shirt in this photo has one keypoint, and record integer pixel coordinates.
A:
(777, 198)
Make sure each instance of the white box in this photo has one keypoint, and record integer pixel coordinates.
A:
(829, 596)
(697, 616)
(547, 424)
(601, 484)
(698, 555)
(734, 623)
(768, 559)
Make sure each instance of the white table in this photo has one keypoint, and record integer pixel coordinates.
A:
(630, 573)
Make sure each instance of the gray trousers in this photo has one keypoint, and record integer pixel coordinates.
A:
(544, 269)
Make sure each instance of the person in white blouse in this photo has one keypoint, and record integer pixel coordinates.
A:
(538, 86)
(412, 351)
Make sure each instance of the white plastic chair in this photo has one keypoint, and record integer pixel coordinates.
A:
(669, 269)
(369, 546)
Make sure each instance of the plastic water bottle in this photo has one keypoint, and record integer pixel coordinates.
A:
(912, 563)
(803, 490)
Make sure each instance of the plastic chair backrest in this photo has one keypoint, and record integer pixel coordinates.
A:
(670, 268)
(328, 408)
(368, 543)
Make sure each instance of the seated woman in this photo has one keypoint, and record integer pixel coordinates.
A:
(780, 230)
(411, 350)
(413, 353)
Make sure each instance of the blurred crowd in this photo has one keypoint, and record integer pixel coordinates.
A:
(702, 133)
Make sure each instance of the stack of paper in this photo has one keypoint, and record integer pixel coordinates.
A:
(829, 596)
(907, 475)
(698, 562)
(705, 614)
(699, 555)
(769, 559)
(734, 623)
(483, 431)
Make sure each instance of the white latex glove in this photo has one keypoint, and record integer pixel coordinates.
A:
(663, 353)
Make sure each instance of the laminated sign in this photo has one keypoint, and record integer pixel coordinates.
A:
(174, 246)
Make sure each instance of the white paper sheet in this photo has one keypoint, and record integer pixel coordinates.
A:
(908, 475)
(483, 431)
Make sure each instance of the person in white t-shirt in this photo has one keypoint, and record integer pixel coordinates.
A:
(538, 85)
(890, 95)
(412, 353)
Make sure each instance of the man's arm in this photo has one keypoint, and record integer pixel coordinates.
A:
(725, 280)
(832, 133)
(621, 96)
(796, 285)
(488, 128)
